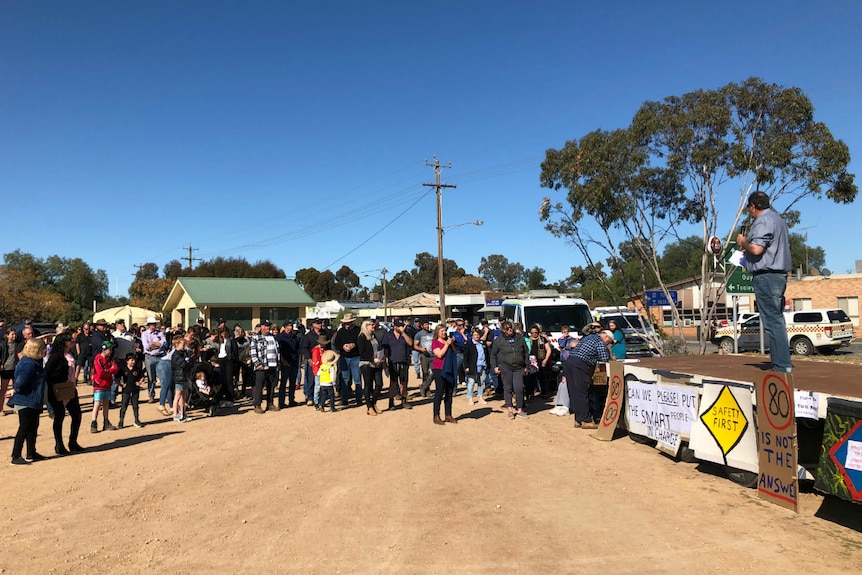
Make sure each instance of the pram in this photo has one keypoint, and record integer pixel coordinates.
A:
(199, 399)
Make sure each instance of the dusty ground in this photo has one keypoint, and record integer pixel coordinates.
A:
(305, 492)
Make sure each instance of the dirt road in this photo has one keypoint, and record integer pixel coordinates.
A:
(305, 492)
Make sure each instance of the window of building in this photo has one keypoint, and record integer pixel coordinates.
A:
(801, 303)
(850, 305)
(232, 316)
(279, 315)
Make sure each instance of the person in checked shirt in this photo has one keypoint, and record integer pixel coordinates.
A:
(264, 360)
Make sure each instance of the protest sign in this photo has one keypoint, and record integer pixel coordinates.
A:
(664, 412)
(724, 432)
(613, 405)
(777, 449)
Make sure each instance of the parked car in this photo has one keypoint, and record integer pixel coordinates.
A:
(808, 331)
(741, 318)
(638, 331)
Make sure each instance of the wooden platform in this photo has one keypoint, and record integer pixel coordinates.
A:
(809, 374)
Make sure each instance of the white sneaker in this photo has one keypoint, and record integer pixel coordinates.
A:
(560, 410)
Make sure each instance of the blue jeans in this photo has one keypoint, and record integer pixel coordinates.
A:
(350, 368)
(459, 363)
(415, 355)
(479, 381)
(150, 363)
(166, 391)
(308, 383)
(769, 291)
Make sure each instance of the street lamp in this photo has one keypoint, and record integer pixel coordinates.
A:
(440, 231)
(383, 272)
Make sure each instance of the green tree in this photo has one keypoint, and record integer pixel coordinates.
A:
(501, 274)
(535, 278)
(675, 160)
(681, 260)
(805, 257)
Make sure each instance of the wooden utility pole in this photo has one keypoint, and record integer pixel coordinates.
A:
(383, 273)
(190, 258)
(440, 287)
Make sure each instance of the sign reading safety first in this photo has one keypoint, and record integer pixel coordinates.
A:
(777, 450)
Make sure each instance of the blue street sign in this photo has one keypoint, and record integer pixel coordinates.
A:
(656, 298)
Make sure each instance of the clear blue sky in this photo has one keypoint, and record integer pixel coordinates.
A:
(296, 131)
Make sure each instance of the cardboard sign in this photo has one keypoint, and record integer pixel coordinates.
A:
(724, 432)
(778, 448)
(664, 412)
(614, 402)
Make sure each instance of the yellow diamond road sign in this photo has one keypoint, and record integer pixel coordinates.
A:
(725, 421)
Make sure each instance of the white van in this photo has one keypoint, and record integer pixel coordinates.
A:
(552, 312)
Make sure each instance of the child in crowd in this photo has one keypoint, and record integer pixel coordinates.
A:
(181, 366)
(326, 374)
(131, 376)
(105, 368)
(316, 359)
(201, 383)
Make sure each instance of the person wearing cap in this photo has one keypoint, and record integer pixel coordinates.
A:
(579, 368)
(155, 345)
(203, 330)
(344, 344)
(306, 344)
(397, 348)
(264, 359)
(105, 369)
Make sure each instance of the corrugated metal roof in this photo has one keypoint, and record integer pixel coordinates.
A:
(244, 291)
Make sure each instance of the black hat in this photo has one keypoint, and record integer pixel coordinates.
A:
(266, 322)
(222, 320)
(316, 320)
(200, 320)
(398, 323)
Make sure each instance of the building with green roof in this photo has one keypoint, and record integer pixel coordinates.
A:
(243, 301)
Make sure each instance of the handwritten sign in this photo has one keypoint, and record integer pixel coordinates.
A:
(724, 431)
(854, 456)
(778, 448)
(663, 412)
(613, 404)
(806, 404)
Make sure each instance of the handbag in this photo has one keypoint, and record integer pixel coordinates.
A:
(64, 391)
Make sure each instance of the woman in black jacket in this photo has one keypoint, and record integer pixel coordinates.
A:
(60, 368)
(370, 365)
(8, 361)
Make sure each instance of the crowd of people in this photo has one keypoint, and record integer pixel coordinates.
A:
(344, 367)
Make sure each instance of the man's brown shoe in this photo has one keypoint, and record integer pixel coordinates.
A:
(438, 421)
(450, 419)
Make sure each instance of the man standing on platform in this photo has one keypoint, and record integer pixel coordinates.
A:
(767, 252)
